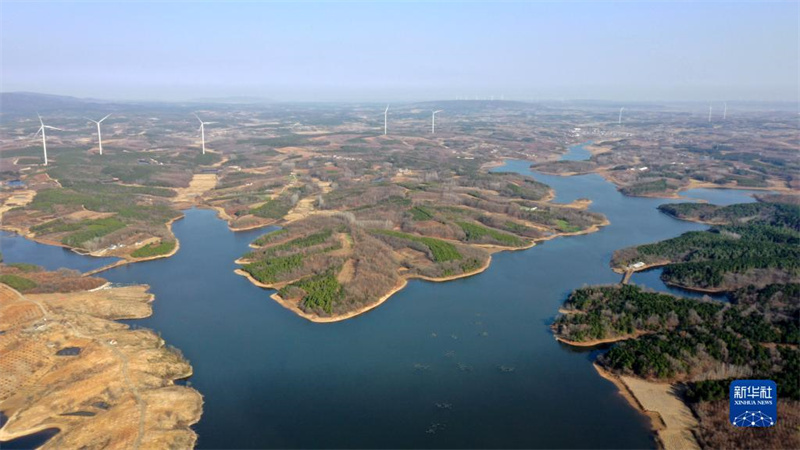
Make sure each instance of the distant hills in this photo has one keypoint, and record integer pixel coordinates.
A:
(32, 102)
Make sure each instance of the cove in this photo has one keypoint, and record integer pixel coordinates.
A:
(467, 363)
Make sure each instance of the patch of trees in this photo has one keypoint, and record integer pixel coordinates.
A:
(147, 174)
(271, 236)
(477, 233)
(17, 282)
(420, 213)
(647, 188)
(137, 210)
(565, 167)
(507, 185)
(562, 219)
(437, 250)
(273, 209)
(319, 292)
(150, 250)
(775, 214)
(92, 229)
(31, 279)
(760, 245)
(502, 223)
(685, 338)
(268, 270)
(353, 198)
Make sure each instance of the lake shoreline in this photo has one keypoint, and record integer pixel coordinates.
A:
(402, 283)
(122, 260)
(91, 319)
(671, 420)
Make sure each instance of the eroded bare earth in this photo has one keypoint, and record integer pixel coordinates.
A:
(67, 364)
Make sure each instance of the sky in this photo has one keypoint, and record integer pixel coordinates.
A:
(359, 51)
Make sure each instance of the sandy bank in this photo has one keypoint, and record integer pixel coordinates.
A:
(595, 342)
(671, 420)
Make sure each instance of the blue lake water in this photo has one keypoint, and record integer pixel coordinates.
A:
(478, 347)
(577, 153)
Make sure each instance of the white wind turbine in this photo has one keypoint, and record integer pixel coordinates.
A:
(433, 121)
(203, 132)
(710, 108)
(99, 136)
(725, 111)
(44, 136)
(619, 122)
(386, 121)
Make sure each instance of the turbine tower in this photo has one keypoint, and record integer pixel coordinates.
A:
(710, 108)
(725, 111)
(44, 136)
(203, 132)
(433, 121)
(386, 121)
(99, 136)
(620, 116)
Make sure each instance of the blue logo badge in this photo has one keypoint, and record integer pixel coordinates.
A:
(753, 403)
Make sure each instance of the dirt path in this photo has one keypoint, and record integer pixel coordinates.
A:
(110, 356)
(120, 356)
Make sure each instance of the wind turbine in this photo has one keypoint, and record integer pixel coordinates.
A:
(203, 132)
(725, 111)
(710, 108)
(619, 122)
(433, 121)
(386, 121)
(99, 136)
(44, 136)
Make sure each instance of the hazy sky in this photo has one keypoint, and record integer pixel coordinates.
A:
(391, 51)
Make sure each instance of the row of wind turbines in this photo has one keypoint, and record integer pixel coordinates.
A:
(386, 120)
(710, 109)
(42, 129)
(202, 129)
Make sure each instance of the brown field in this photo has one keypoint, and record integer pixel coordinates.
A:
(85, 214)
(17, 198)
(715, 430)
(200, 184)
(67, 365)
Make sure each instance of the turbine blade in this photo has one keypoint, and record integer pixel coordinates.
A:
(198, 118)
(104, 118)
(52, 128)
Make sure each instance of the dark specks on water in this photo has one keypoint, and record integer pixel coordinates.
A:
(272, 379)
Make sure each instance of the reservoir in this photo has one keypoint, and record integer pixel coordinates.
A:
(466, 363)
